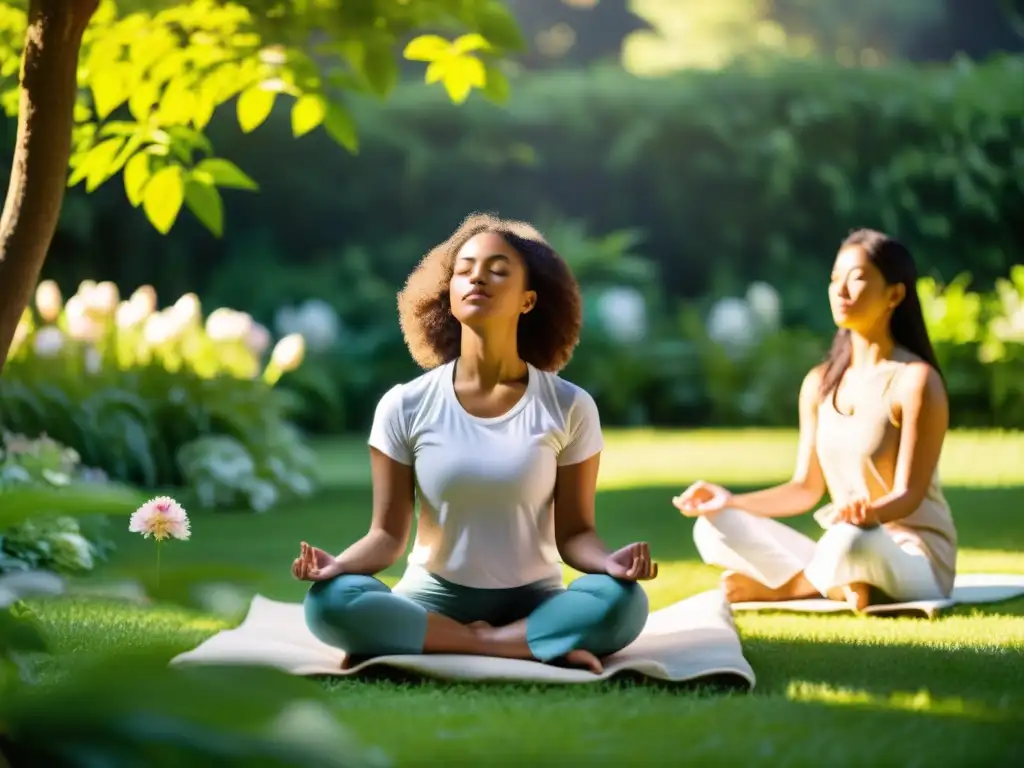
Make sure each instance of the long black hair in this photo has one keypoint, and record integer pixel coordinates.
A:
(907, 325)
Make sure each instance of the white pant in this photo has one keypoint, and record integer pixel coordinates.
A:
(773, 553)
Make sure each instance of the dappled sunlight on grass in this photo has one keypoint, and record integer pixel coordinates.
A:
(927, 691)
(922, 701)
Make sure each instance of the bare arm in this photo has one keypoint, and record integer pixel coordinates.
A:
(923, 413)
(803, 492)
(393, 503)
(575, 532)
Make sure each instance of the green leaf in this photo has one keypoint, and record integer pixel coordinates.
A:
(307, 113)
(130, 148)
(471, 42)
(177, 106)
(497, 87)
(98, 165)
(163, 197)
(205, 104)
(204, 200)
(109, 89)
(380, 69)
(136, 174)
(497, 24)
(460, 75)
(341, 127)
(254, 106)
(224, 173)
(19, 634)
(142, 99)
(427, 48)
(23, 502)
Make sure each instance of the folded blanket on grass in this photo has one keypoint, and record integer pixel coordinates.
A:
(969, 589)
(693, 641)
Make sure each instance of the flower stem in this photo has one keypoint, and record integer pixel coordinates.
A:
(158, 543)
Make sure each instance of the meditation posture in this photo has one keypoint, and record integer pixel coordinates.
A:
(873, 418)
(503, 455)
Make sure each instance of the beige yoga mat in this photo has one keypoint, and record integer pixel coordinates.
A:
(969, 589)
(693, 640)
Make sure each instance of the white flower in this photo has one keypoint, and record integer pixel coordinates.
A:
(288, 353)
(258, 339)
(764, 300)
(145, 298)
(128, 315)
(623, 314)
(49, 301)
(102, 300)
(159, 329)
(186, 310)
(732, 324)
(81, 325)
(48, 341)
(225, 324)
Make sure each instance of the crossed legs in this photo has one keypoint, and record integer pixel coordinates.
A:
(595, 616)
(766, 560)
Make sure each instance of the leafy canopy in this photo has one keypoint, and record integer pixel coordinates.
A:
(152, 73)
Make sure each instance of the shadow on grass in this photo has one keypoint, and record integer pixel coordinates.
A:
(994, 675)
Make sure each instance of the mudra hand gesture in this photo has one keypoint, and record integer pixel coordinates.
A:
(632, 563)
(702, 498)
(855, 512)
(315, 564)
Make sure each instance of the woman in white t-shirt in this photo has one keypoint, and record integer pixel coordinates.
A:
(503, 456)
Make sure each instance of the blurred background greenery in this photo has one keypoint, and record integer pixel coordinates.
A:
(697, 164)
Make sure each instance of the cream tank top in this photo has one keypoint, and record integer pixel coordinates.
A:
(857, 453)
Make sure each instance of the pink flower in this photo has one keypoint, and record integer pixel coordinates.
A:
(162, 518)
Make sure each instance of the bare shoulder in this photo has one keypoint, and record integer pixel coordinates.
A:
(815, 376)
(920, 380)
(810, 389)
(920, 390)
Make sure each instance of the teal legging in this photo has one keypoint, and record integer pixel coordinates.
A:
(360, 615)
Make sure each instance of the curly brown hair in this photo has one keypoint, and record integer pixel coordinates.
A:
(547, 335)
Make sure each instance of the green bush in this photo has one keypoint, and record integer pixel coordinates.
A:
(157, 398)
(49, 540)
(730, 176)
(979, 340)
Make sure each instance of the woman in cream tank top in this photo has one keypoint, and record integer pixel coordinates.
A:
(873, 418)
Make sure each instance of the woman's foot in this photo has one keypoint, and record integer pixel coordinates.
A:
(577, 658)
(857, 596)
(740, 588)
(581, 658)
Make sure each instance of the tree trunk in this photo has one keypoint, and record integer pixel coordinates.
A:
(39, 171)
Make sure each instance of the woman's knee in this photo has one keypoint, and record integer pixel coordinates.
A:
(709, 531)
(626, 608)
(850, 542)
(331, 607)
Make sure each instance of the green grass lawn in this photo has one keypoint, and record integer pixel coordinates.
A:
(832, 690)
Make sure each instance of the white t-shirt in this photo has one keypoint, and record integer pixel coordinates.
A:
(486, 485)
